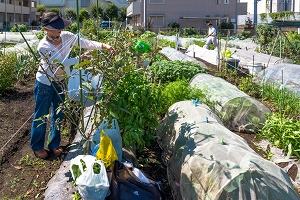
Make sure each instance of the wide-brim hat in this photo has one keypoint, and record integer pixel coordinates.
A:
(56, 23)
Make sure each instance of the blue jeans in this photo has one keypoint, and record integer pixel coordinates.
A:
(46, 97)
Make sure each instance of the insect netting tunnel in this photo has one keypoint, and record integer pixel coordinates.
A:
(207, 161)
(237, 110)
(283, 75)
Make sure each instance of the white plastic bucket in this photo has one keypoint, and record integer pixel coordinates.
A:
(254, 68)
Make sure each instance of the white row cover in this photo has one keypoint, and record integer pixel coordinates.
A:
(207, 161)
(284, 75)
(237, 110)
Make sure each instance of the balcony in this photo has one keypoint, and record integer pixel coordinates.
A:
(134, 9)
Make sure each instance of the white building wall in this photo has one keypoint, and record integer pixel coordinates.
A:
(297, 5)
(261, 6)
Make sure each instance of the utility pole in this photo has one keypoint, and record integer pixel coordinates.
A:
(255, 13)
(145, 14)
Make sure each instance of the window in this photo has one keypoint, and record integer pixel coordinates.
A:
(226, 1)
(25, 17)
(156, 1)
(218, 1)
(157, 21)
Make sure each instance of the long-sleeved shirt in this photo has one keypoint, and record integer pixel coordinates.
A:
(212, 31)
(52, 55)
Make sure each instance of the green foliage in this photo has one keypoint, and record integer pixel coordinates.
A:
(248, 86)
(176, 91)
(83, 15)
(56, 10)
(149, 38)
(135, 105)
(166, 71)
(283, 133)
(72, 27)
(263, 16)
(40, 34)
(225, 25)
(111, 11)
(166, 43)
(282, 15)
(71, 14)
(246, 34)
(41, 8)
(283, 100)
(7, 71)
(89, 29)
(173, 25)
(188, 31)
(123, 14)
(201, 44)
(26, 65)
(22, 27)
(96, 13)
(265, 35)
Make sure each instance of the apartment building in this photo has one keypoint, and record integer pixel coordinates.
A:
(267, 6)
(62, 4)
(188, 13)
(17, 11)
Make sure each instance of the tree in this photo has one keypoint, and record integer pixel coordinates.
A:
(111, 12)
(83, 15)
(71, 14)
(56, 10)
(123, 13)
(93, 10)
(41, 8)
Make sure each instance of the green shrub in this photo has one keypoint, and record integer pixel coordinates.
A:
(22, 27)
(246, 34)
(167, 71)
(135, 105)
(189, 31)
(72, 28)
(7, 66)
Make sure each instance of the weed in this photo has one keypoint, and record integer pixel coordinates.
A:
(14, 181)
(76, 196)
(270, 154)
(35, 183)
(27, 160)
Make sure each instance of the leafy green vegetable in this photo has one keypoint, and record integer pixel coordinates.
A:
(166, 71)
(76, 172)
(96, 168)
(83, 165)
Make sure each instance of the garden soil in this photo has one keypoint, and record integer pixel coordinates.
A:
(23, 176)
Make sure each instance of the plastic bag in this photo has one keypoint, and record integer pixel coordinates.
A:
(90, 84)
(125, 184)
(90, 176)
(106, 151)
(113, 133)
